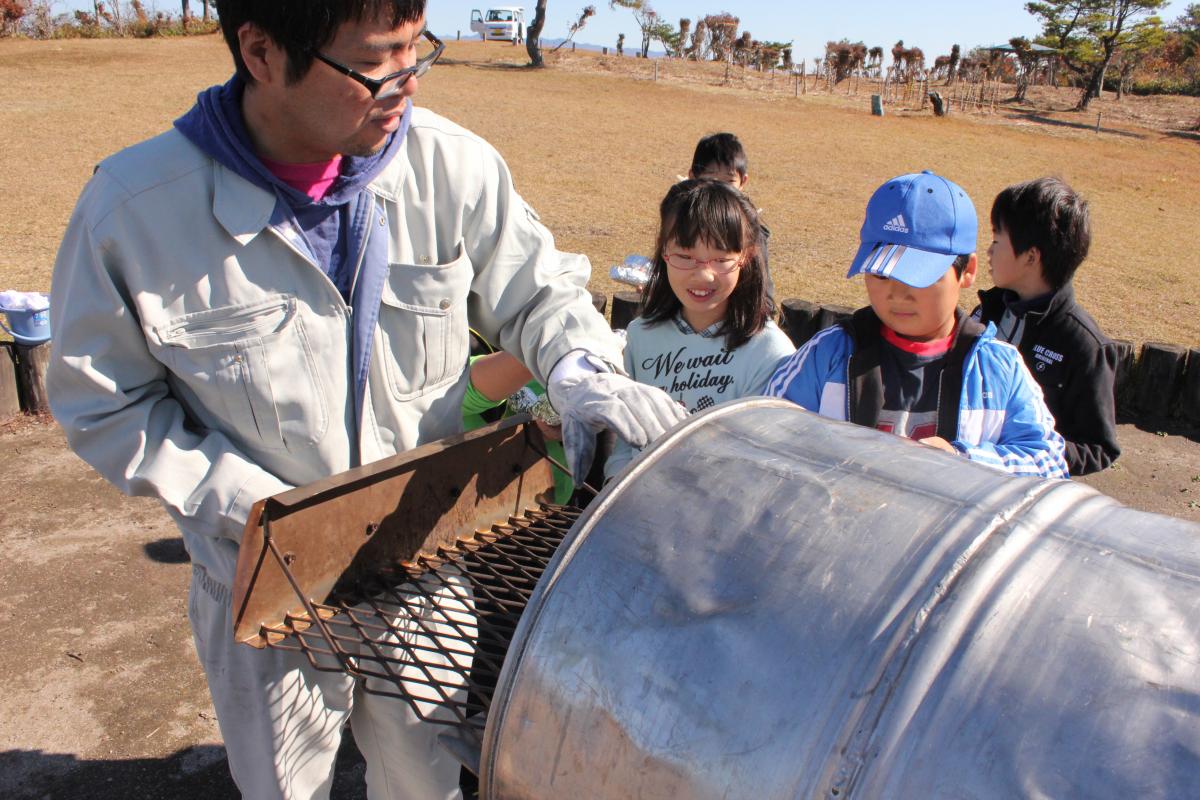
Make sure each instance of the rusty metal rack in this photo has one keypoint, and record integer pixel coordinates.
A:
(390, 627)
(411, 573)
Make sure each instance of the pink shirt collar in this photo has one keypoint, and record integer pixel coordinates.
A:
(312, 179)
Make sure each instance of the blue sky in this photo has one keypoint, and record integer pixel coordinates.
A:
(932, 25)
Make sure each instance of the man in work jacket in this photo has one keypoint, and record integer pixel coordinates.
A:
(279, 289)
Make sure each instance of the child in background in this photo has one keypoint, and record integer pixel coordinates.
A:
(912, 363)
(721, 157)
(494, 377)
(705, 333)
(1041, 232)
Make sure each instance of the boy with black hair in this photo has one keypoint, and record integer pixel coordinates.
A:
(912, 363)
(1041, 232)
(721, 157)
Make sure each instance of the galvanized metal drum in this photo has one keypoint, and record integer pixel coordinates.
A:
(773, 605)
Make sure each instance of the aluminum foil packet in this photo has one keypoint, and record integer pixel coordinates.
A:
(537, 405)
(635, 271)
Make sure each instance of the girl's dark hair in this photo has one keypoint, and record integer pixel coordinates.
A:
(1047, 214)
(302, 27)
(713, 213)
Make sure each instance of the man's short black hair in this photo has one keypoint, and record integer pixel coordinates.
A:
(302, 27)
(719, 150)
(1047, 214)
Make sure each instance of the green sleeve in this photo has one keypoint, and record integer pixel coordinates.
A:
(474, 404)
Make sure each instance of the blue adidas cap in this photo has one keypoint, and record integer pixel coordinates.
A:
(916, 225)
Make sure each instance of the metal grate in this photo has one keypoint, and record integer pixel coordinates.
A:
(434, 632)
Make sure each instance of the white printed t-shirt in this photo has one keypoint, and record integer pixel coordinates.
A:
(695, 368)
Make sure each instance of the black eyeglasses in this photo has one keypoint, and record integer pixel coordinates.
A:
(390, 85)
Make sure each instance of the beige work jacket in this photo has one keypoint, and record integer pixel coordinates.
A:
(200, 357)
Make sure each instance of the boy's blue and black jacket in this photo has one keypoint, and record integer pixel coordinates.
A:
(1075, 365)
(1000, 418)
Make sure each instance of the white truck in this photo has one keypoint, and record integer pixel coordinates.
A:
(500, 24)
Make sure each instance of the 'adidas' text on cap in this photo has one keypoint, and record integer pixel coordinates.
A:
(915, 226)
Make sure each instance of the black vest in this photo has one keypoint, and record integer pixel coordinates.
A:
(864, 382)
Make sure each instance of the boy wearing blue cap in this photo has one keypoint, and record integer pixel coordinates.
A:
(912, 363)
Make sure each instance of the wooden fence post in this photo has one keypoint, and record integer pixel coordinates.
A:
(600, 301)
(32, 361)
(831, 315)
(799, 318)
(1189, 398)
(10, 397)
(625, 308)
(1124, 383)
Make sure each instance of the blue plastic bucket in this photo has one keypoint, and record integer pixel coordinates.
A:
(28, 327)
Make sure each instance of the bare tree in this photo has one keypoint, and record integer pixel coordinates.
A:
(588, 11)
(1027, 61)
(533, 35)
(845, 58)
(685, 27)
(645, 17)
(722, 31)
(696, 50)
(11, 12)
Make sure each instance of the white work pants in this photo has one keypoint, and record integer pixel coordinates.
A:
(281, 719)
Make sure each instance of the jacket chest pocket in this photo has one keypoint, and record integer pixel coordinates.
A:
(251, 367)
(423, 325)
(1049, 375)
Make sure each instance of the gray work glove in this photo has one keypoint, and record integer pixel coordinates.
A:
(637, 413)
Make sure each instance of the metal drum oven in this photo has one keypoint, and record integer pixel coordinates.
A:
(766, 604)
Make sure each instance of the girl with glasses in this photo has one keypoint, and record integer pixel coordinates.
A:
(705, 334)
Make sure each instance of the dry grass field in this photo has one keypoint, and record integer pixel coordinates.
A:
(102, 694)
(593, 143)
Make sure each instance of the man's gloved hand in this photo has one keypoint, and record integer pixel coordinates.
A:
(637, 413)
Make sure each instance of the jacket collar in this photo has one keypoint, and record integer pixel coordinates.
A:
(247, 196)
(1060, 301)
(242, 208)
(995, 301)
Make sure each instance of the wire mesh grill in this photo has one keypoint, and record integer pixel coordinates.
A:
(434, 632)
